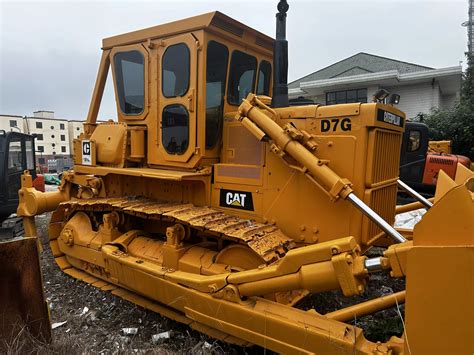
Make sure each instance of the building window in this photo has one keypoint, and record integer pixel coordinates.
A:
(40, 148)
(61, 126)
(175, 70)
(77, 128)
(53, 136)
(39, 124)
(63, 137)
(243, 68)
(39, 136)
(130, 77)
(346, 96)
(63, 149)
(52, 127)
(12, 123)
(53, 144)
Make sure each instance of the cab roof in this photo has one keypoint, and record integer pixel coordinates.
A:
(212, 20)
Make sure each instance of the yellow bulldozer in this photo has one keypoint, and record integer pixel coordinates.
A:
(216, 203)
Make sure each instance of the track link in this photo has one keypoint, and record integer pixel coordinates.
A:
(266, 240)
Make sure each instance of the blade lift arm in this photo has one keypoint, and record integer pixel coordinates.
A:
(289, 141)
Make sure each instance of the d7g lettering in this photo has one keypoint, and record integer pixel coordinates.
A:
(335, 124)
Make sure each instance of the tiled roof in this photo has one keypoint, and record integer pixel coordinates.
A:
(360, 63)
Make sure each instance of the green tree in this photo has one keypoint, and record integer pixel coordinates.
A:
(457, 124)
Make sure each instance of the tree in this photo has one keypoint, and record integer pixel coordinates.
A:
(457, 124)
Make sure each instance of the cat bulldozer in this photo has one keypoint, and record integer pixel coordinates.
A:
(214, 202)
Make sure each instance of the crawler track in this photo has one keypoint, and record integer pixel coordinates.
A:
(266, 240)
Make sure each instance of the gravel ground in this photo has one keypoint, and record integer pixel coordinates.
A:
(94, 319)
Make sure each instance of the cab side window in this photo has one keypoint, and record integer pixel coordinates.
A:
(175, 70)
(130, 77)
(30, 154)
(175, 129)
(414, 141)
(243, 68)
(264, 75)
(216, 74)
(15, 160)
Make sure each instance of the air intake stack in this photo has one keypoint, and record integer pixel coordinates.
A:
(280, 59)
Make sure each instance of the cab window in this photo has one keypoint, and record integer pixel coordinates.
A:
(243, 68)
(130, 78)
(264, 75)
(15, 161)
(30, 154)
(414, 141)
(175, 132)
(216, 73)
(175, 70)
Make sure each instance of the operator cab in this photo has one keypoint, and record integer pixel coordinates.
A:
(180, 80)
(16, 156)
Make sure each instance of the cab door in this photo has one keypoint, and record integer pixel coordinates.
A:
(177, 98)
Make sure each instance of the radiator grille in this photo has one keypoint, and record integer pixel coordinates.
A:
(384, 156)
(442, 161)
(383, 202)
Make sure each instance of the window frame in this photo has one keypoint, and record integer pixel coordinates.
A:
(224, 94)
(409, 145)
(189, 70)
(163, 127)
(229, 75)
(336, 92)
(39, 125)
(141, 49)
(269, 78)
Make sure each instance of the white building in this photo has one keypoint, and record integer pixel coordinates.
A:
(54, 137)
(75, 130)
(357, 78)
(11, 123)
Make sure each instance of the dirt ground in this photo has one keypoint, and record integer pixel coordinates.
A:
(95, 320)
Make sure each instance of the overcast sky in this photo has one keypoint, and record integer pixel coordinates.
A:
(50, 51)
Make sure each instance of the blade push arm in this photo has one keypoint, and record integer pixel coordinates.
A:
(296, 144)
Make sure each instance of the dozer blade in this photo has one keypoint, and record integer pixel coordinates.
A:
(22, 303)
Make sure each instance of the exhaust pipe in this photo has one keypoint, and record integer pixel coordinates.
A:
(280, 59)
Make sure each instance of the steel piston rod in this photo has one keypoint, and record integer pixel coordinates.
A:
(325, 177)
(374, 217)
(415, 194)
